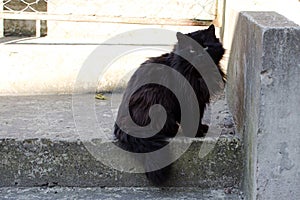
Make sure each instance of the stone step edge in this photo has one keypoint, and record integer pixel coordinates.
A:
(118, 193)
(44, 162)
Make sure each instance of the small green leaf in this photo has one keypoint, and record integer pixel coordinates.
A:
(100, 97)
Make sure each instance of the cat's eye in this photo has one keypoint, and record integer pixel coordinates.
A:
(192, 51)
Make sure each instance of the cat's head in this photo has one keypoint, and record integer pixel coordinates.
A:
(207, 39)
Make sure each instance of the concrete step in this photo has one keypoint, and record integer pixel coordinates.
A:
(39, 66)
(118, 193)
(50, 65)
(39, 146)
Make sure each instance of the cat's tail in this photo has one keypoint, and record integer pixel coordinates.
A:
(155, 173)
(157, 177)
(154, 165)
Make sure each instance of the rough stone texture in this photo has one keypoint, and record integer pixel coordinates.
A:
(263, 94)
(118, 193)
(39, 146)
(289, 9)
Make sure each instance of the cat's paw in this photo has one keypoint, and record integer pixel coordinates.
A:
(202, 130)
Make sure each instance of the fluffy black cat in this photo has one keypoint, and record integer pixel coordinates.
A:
(148, 95)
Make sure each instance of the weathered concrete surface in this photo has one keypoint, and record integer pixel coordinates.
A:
(263, 92)
(39, 146)
(45, 66)
(38, 66)
(117, 193)
(42, 162)
(289, 9)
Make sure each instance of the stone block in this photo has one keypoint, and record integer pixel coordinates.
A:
(263, 94)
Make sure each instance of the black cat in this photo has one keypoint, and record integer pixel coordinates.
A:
(147, 95)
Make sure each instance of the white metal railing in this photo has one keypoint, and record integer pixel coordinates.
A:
(37, 10)
(14, 8)
(24, 6)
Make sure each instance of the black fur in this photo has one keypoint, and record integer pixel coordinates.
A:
(150, 94)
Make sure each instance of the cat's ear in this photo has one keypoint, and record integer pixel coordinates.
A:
(211, 29)
(180, 36)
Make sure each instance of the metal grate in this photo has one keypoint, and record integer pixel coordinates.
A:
(25, 6)
(166, 12)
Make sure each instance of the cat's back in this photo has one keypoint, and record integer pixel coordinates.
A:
(163, 59)
(145, 68)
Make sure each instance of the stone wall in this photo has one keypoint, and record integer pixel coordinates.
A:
(263, 94)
